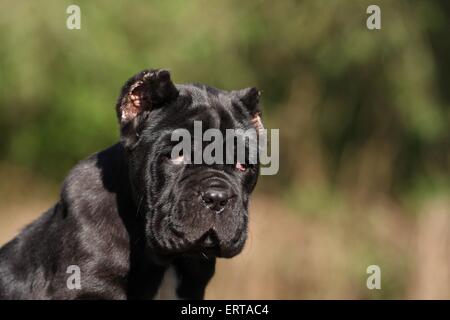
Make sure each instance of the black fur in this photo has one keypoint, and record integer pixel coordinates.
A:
(126, 213)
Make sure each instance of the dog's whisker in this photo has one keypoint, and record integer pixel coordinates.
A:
(139, 205)
(204, 255)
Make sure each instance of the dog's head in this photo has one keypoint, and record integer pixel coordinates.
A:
(188, 207)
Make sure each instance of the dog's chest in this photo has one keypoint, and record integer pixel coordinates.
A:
(168, 288)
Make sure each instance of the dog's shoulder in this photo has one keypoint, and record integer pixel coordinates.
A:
(94, 181)
(83, 228)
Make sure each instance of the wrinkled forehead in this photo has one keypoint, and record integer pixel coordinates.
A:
(212, 108)
(203, 95)
(215, 108)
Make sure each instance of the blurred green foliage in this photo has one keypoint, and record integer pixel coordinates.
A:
(359, 111)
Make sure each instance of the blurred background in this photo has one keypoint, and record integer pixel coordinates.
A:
(363, 118)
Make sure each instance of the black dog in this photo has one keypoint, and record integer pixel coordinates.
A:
(129, 217)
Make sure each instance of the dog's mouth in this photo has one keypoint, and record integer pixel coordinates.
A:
(210, 244)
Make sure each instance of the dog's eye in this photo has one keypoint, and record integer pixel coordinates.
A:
(241, 166)
(177, 160)
(167, 157)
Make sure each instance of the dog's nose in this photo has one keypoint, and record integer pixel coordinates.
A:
(216, 199)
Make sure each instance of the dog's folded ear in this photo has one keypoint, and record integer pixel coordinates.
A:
(250, 99)
(146, 91)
